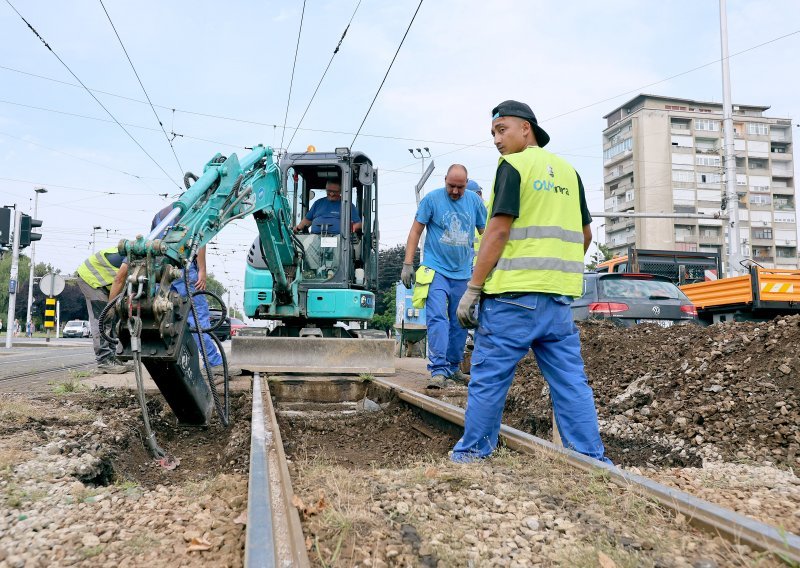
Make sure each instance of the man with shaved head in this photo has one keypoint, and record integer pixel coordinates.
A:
(451, 215)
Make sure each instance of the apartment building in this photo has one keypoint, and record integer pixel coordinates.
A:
(665, 155)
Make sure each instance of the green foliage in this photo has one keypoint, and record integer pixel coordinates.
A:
(214, 285)
(602, 254)
(71, 300)
(390, 263)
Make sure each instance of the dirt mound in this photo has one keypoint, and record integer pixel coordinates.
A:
(678, 395)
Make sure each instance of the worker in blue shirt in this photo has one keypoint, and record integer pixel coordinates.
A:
(197, 281)
(450, 214)
(325, 215)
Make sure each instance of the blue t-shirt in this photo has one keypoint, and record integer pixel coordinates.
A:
(326, 214)
(451, 231)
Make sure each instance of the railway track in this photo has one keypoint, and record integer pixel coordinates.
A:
(15, 368)
(274, 531)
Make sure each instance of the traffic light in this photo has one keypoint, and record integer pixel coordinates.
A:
(5, 225)
(26, 236)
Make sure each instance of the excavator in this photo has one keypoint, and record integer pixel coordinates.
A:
(319, 287)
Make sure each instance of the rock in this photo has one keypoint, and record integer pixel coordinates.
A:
(532, 523)
(402, 508)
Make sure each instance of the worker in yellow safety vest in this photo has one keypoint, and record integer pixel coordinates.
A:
(95, 276)
(529, 269)
(473, 186)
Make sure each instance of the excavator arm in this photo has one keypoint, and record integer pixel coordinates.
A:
(152, 324)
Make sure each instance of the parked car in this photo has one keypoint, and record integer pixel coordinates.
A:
(236, 324)
(77, 328)
(223, 332)
(627, 299)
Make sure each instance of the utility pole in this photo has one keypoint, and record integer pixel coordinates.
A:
(12, 287)
(94, 230)
(731, 195)
(38, 190)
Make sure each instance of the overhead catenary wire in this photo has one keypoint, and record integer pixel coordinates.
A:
(294, 65)
(387, 72)
(381, 136)
(335, 51)
(180, 168)
(87, 90)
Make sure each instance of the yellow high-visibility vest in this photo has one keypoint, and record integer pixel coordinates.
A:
(97, 271)
(544, 252)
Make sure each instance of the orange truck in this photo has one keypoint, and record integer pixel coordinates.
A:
(759, 295)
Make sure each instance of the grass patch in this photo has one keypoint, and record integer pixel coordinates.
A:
(15, 496)
(91, 551)
(366, 377)
(67, 387)
(81, 374)
(19, 411)
(142, 543)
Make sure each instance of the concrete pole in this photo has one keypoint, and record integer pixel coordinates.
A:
(734, 238)
(12, 296)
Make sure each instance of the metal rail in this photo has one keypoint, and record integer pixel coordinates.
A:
(704, 515)
(25, 374)
(274, 534)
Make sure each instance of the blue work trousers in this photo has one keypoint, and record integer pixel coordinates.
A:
(446, 337)
(201, 305)
(509, 326)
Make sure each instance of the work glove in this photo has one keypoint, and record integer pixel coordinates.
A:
(466, 312)
(407, 275)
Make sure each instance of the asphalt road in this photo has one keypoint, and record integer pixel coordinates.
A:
(31, 365)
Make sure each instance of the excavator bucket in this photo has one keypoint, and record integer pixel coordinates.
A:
(313, 355)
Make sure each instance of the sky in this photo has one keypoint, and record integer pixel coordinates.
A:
(219, 78)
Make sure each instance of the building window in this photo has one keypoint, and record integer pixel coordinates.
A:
(709, 232)
(618, 148)
(757, 128)
(759, 188)
(755, 164)
(629, 196)
(765, 233)
(682, 176)
(709, 178)
(760, 199)
(706, 124)
(708, 161)
(786, 252)
(674, 107)
(778, 149)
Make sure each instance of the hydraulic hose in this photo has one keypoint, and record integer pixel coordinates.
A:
(189, 176)
(223, 415)
(102, 320)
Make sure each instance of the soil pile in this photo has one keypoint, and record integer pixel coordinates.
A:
(679, 395)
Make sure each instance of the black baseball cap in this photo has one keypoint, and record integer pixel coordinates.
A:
(523, 111)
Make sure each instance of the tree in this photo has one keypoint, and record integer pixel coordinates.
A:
(602, 254)
(390, 263)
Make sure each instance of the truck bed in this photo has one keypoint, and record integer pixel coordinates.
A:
(764, 290)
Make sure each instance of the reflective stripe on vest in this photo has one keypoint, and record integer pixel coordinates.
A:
(544, 252)
(97, 271)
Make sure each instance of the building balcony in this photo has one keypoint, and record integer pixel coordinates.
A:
(621, 170)
(709, 240)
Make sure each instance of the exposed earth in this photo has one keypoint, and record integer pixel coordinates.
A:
(682, 395)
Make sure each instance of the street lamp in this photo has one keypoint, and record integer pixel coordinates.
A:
(37, 190)
(422, 155)
(94, 230)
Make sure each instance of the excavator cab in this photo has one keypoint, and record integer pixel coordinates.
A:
(334, 280)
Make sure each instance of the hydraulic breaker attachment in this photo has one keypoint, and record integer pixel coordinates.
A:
(170, 355)
(254, 351)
